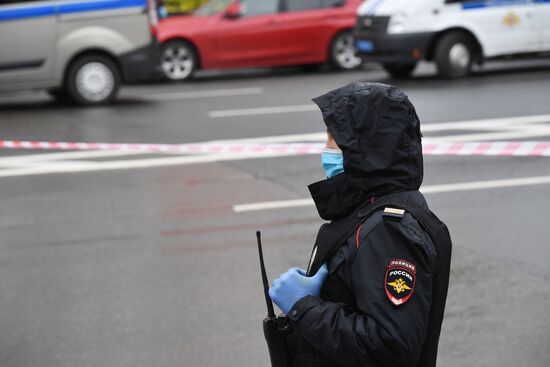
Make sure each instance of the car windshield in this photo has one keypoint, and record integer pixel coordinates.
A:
(212, 7)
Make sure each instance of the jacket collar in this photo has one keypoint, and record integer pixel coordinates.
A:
(335, 197)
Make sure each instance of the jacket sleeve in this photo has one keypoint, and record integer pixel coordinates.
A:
(374, 331)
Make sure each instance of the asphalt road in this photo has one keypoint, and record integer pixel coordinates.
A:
(116, 259)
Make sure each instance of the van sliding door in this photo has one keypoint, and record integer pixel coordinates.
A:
(28, 29)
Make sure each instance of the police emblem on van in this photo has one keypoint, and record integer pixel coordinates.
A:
(511, 19)
(399, 281)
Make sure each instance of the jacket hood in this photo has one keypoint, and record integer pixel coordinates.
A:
(377, 128)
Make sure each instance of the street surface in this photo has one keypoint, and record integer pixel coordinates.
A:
(124, 257)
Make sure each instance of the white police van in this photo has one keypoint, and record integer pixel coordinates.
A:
(81, 50)
(452, 33)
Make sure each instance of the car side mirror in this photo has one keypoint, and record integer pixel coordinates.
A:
(234, 10)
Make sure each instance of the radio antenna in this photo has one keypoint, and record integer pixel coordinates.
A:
(269, 303)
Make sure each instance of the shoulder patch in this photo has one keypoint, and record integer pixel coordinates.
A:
(399, 281)
(394, 212)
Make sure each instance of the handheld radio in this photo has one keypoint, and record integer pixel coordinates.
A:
(276, 328)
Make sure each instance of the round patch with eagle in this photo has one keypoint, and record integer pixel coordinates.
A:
(399, 281)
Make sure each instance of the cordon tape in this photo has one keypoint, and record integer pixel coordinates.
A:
(533, 148)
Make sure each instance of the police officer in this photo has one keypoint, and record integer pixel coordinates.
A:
(374, 293)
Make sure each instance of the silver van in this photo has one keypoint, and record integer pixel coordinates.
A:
(80, 50)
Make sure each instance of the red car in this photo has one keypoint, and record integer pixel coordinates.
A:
(259, 33)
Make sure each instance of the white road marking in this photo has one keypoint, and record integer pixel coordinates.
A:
(456, 125)
(202, 94)
(503, 135)
(511, 125)
(266, 205)
(485, 124)
(88, 166)
(435, 189)
(263, 111)
(507, 123)
(40, 158)
(308, 137)
(492, 184)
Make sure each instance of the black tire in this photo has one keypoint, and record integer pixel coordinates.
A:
(454, 54)
(342, 54)
(92, 79)
(178, 60)
(60, 95)
(311, 68)
(399, 70)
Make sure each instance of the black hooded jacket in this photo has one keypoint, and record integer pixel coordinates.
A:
(382, 303)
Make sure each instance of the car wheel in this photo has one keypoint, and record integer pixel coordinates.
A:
(399, 70)
(454, 55)
(178, 60)
(92, 80)
(342, 52)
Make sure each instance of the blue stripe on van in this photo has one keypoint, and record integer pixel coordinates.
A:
(32, 10)
(78, 7)
(493, 3)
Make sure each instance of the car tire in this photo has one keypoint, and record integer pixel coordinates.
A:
(60, 95)
(92, 79)
(342, 52)
(454, 55)
(399, 70)
(178, 60)
(311, 68)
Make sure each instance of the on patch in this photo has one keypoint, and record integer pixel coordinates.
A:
(399, 281)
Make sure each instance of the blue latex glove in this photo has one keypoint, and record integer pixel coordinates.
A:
(293, 285)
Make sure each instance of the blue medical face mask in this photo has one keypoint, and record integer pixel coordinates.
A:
(332, 161)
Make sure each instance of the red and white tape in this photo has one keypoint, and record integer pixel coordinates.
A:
(533, 148)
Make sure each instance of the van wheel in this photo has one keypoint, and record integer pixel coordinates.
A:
(178, 60)
(92, 80)
(454, 55)
(399, 70)
(342, 52)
